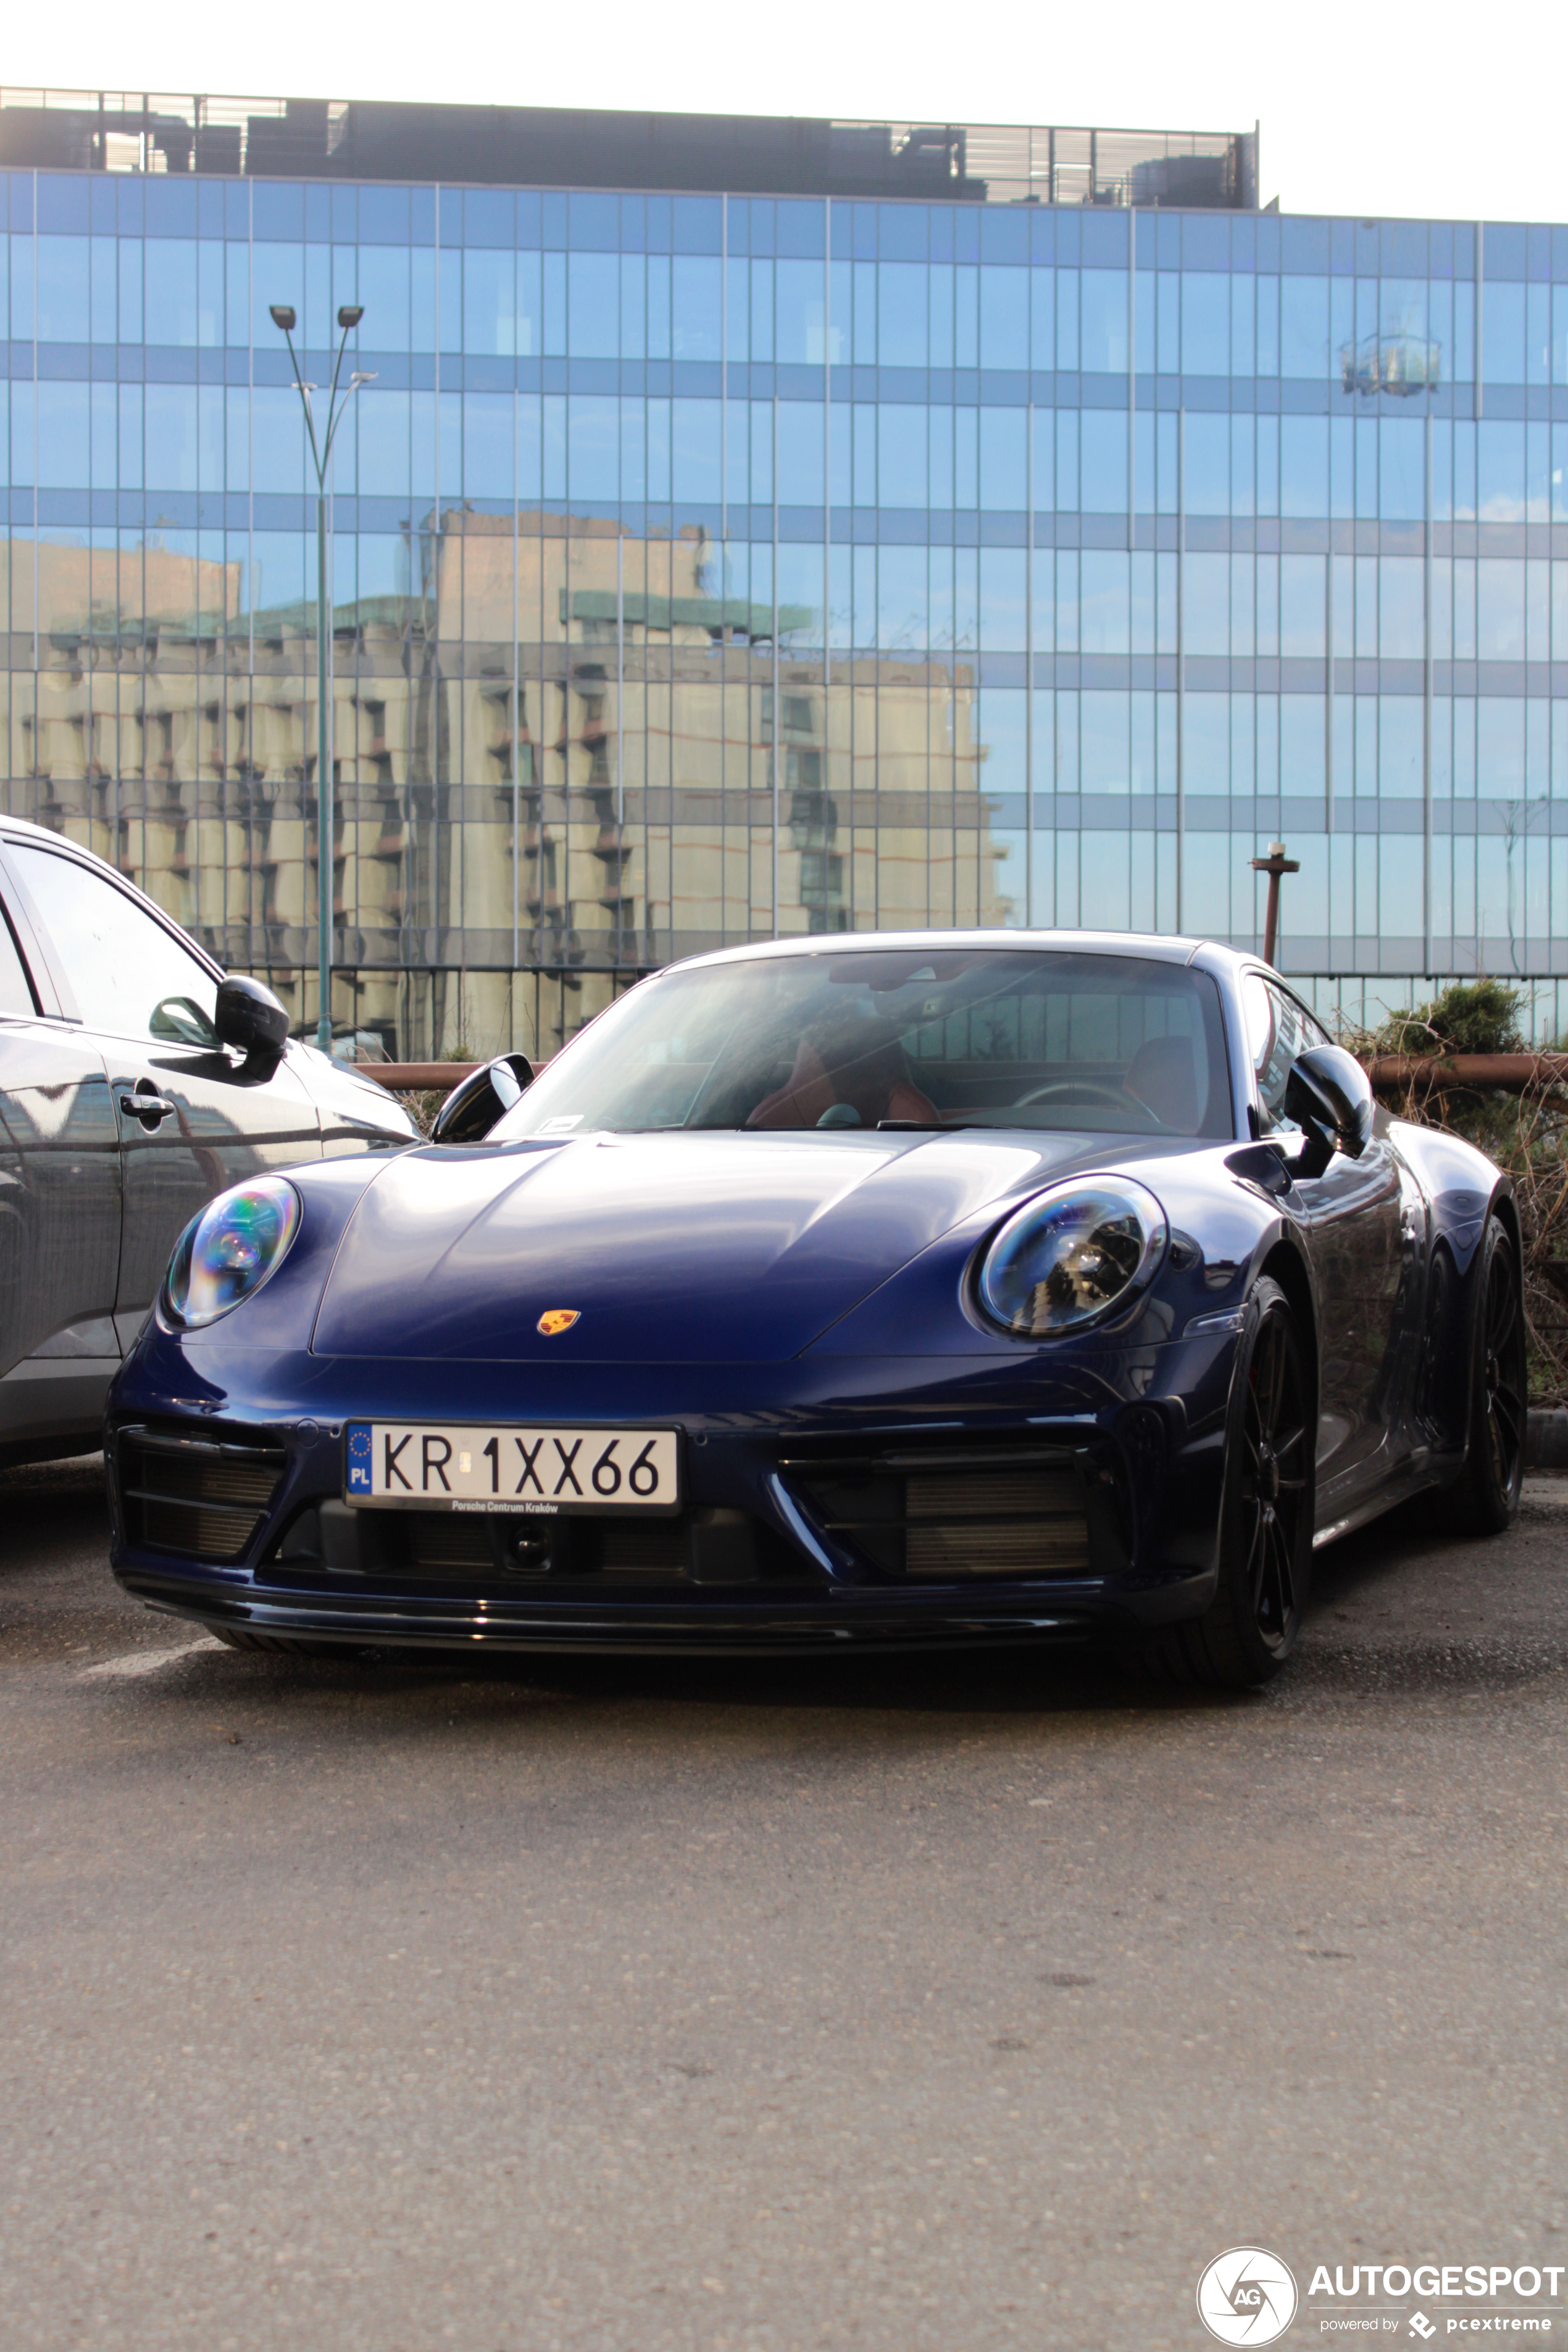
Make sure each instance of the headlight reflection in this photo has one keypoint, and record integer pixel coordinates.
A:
(1072, 1256)
(227, 1252)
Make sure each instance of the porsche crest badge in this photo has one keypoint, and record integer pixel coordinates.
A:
(556, 1320)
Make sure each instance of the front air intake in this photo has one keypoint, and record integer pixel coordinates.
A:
(196, 1497)
(948, 1518)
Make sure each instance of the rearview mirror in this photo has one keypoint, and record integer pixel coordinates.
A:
(472, 1108)
(1329, 1096)
(249, 1017)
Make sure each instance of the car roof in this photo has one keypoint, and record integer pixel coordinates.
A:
(1153, 947)
(13, 828)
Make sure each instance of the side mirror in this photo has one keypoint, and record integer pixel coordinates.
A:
(249, 1017)
(471, 1109)
(1328, 1096)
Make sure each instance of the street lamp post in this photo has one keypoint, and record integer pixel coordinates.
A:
(1275, 864)
(349, 317)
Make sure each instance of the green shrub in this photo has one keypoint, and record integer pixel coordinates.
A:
(1473, 1016)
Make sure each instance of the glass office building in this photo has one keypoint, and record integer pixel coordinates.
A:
(822, 527)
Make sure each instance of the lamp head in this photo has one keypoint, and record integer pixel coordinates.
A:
(282, 315)
(350, 314)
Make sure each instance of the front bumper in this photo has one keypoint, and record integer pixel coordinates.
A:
(812, 1506)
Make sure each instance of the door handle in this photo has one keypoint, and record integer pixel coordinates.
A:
(149, 1106)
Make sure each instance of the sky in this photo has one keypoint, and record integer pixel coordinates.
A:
(1375, 110)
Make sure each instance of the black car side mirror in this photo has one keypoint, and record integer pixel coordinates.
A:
(249, 1017)
(471, 1109)
(1329, 1096)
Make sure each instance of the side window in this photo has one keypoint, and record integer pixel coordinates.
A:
(128, 977)
(1277, 1032)
(16, 993)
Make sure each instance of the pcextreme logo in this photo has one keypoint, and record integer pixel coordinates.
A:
(1247, 2295)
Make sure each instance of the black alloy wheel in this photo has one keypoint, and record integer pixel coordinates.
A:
(1486, 1497)
(1265, 1550)
(1272, 1480)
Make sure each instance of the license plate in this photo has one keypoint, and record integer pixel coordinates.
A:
(446, 1466)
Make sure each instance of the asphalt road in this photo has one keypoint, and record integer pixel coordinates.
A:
(855, 2004)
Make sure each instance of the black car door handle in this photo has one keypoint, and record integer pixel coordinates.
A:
(150, 1108)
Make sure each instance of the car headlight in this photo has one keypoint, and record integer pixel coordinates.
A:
(228, 1251)
(1071, 1256)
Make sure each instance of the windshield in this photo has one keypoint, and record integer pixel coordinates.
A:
(909, 1039)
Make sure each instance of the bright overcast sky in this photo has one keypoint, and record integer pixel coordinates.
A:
(1365, 108)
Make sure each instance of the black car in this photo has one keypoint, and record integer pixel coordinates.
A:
(136, 1081)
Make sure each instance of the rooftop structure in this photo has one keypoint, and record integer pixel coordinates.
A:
(543, 146)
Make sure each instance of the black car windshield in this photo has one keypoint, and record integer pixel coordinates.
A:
(900, 1038)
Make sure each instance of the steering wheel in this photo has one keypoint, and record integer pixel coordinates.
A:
(1105, 1090)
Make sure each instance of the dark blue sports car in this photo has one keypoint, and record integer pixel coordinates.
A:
(916, 1289)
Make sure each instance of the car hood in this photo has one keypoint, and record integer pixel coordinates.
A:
(671, 1248)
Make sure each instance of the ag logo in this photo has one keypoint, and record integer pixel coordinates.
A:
(1246, 2296)
(556, 1320)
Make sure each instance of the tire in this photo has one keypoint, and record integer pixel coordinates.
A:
(291, 1645)
(1485, 1497)
(1254, 1621)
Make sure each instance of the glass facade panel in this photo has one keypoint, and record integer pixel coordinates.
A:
(706, 567)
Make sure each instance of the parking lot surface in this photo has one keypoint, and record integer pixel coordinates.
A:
(858, 2002)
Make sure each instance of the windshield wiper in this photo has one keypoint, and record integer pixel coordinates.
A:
(926, 1126)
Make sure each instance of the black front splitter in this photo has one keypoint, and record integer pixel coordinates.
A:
(804, 1629)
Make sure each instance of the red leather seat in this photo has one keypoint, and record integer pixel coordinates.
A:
(876, 1085)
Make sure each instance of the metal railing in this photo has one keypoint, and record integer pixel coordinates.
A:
(994, 162)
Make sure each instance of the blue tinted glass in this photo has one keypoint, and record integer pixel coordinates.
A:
(1304, 465)
(1304, 327)
(1499, 741)
(697, 225)
(696, 295)
(901, 308)
(801, 229)
(594, 304)
(1207, 464)
(489, 445)
(1103, 461)
(1402, 470)
(278, 439)
(1103, 606)
(63, 437)
(1003, 457)
(1067, 435)
(1205, 323)
(63, 289)
(1502, 334)
(900, 598)
(1003, 601)
(593, 441)
(1242, 330)
(901, 455)
(489, 216)
(383, 426)
(594, 221)
(1066, 320)
(1499, 471)
(489, 295)
(800, 452)
(169, 291)
(171, 428)
(1102, 347)
(1303, 605)
(1003, 317)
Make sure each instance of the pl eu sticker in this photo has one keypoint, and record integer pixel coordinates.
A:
(359, 1459)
